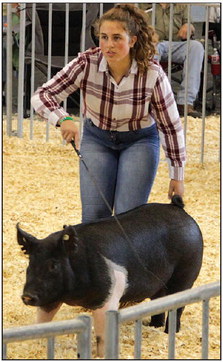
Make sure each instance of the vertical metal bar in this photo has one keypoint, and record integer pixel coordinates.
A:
(204, 82)
(153, 15)
(138, 339)
(49, 56)
(101, 9)
(112, 335)
(171, 334)
(83, 31)
(9, 70)
(21, 69)
(50, 347)
(186, 71)
(83, 34)
(66, 44)
(4, 351)
(205, 328)
(32, 65)
(170, 42)
(84, 339)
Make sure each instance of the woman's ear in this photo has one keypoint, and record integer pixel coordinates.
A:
(133, 40)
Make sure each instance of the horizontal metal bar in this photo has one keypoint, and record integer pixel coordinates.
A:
(43, 330)
(174, 301)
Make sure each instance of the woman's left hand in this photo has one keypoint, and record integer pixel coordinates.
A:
(176, 187)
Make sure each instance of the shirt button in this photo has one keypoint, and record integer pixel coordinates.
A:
(114, 119)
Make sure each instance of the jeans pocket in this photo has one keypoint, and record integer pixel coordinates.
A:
(88, 122)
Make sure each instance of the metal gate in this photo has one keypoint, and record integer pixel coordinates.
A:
(82, 325)
(22, 58)
(170, 303)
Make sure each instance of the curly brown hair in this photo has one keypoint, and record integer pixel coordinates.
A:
(134, 21)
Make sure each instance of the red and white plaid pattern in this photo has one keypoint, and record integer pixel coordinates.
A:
(138, 101)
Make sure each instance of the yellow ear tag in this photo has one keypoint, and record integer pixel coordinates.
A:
(24, 240)
(66, 237)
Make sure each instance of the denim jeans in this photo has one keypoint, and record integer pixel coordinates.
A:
(123, 165)
(195, 61)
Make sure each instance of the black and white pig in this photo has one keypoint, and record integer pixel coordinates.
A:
(99, 265)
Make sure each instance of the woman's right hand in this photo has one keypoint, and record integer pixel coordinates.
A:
(69, 132)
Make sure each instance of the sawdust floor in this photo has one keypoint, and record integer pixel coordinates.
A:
(41, 190)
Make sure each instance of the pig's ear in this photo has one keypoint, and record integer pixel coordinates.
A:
(26, 240)
(70, 239)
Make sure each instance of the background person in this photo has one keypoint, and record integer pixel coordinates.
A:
(179, 49)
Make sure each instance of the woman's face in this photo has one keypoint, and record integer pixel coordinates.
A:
(115, 42)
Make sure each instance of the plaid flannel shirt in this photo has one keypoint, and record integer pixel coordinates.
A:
(138, 101)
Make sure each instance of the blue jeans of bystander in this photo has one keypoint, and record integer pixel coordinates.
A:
(195, 61)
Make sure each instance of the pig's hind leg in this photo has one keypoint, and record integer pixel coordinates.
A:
(183, 278)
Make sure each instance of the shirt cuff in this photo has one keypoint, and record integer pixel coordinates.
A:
(56, 116)
(176, 173)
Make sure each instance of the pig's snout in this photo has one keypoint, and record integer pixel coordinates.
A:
(30, 299)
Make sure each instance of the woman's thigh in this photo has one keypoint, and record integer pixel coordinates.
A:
(136, 173)
(98, 180)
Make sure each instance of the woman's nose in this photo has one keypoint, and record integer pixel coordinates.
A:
(110, 43)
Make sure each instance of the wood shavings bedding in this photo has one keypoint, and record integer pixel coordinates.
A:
(41, 190)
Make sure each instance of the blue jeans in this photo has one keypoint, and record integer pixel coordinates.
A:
(195, 61)
(123, 164)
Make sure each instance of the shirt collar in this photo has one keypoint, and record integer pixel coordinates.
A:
(103, 66)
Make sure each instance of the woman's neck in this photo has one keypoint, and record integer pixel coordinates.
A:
(118, 71)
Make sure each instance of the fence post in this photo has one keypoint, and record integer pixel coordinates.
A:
(204, 84)
(112, 335)
(138, 339)
(50, 347)
(84, 339)
(4, 351)
(32, 84)
(205, 328)
(49, 59)
(21, 69)
(171, 333)
(9, 70)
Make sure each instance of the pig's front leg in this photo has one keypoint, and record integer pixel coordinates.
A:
(46, 314)
(112, 304)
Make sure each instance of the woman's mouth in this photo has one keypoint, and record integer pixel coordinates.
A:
(110, 53)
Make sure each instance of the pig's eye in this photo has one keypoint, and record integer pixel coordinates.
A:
(53, 265)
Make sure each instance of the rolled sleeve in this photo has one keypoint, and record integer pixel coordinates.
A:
(47, 99)
(164, 111)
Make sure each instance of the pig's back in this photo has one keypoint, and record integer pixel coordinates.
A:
(152, 231)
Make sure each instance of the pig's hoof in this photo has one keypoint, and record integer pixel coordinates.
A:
(156, 324)
(153, 323)
(167, 328)
(157, 320)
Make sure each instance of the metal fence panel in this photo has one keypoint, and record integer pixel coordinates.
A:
(82, 48)
(169, 303)
(81, 326)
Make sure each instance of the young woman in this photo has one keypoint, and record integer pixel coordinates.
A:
(128, 106)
